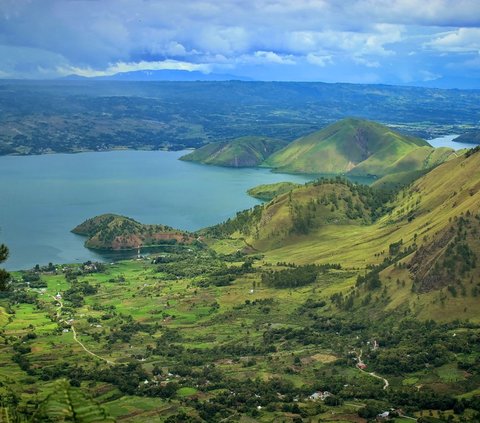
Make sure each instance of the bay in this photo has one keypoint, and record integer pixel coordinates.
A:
(44, 197)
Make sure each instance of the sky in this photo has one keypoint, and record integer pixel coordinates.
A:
(357, 41)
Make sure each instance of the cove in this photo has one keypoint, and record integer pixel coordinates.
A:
(44, 197)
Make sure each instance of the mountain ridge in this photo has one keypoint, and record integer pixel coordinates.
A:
(248, 151)
(351, 145)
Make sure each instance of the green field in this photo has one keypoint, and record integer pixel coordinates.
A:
(269, 311)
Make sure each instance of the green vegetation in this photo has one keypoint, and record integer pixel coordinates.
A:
(240, 152)
(4, 275)
(114, 232)
(303, 211)
(357, 147)
(267, 192)
(41, 117)
(345, 302)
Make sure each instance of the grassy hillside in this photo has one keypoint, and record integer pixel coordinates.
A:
(304, 210)
(358, 147)
(398, 180)
(267, 192)
(368, 297)
(240, 152)
(436, 218)
(114, 232)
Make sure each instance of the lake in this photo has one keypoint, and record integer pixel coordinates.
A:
(44, 197)
(447, 141)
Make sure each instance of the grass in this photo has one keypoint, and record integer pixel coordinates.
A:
(340, 148)
(450, 373)
(231, 324)
(240, 152)
(201, 327)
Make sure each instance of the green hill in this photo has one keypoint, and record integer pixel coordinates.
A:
(472, 137)
(114, 232)
(358, 147)
(371, 297)
(267, 192)
(425, 236)
(302, 210)
(240, 152)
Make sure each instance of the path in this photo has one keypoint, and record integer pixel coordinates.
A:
(360, 362)
(86, 349)
(75, 338)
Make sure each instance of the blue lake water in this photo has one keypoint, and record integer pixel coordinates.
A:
(447, 141)
(44, 197)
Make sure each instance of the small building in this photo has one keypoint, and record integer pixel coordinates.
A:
(383, 416)
(319, 395)
(361, 366)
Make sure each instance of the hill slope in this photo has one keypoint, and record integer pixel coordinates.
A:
(240, 152)
(358, 147)
(426, 237)
(302, 211)
(267, 192)
(472, 137)
(114, 232)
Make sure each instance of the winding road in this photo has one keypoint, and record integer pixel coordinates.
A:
(373, 374)
(75, 337)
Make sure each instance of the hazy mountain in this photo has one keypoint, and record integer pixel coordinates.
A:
(163, 75)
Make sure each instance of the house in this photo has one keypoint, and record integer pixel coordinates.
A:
(361, 365)
(319, 395)
(383, 416)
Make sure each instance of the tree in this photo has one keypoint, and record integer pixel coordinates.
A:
(4, 275)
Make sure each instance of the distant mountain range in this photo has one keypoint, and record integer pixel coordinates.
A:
(184, 75)
(448, 83)
(162, 75)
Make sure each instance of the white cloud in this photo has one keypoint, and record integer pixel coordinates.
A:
(319, 60)
(271, 57)
(133, 66)
(429, 76)
(460, 40)
(365, 62)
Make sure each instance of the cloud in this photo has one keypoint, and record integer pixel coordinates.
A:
(318, 60)
(458, 41)
(271, 57)
(101, 36)
(133, 66)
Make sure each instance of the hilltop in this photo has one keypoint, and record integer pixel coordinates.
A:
(114, 232)
(267, 192)
(241, 152)
(357, 147)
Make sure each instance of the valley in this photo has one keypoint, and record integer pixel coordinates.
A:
(331, 302)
